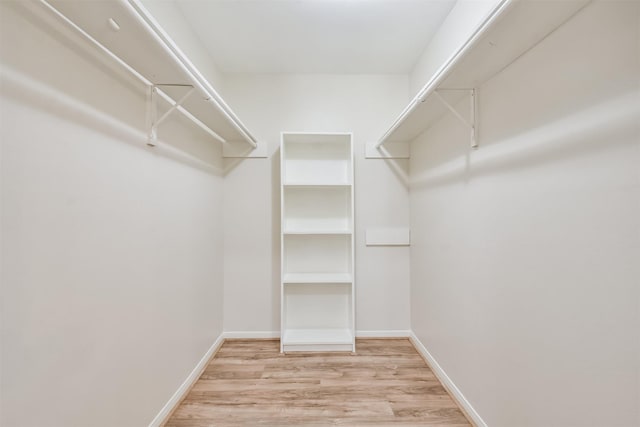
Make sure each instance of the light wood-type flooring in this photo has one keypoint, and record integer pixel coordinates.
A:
(249, 383)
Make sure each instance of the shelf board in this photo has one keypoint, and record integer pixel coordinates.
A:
(521, 27)
(317, 337)
(318, 278)
(312, 232)
(315, 184)
(316, 138)
(136, 46)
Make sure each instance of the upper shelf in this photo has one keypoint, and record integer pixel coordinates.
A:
(512, 29)
(142, 45)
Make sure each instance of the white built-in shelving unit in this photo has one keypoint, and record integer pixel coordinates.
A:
(318, 306)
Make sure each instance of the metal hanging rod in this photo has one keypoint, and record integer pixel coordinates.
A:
(167, 44)
(444, 70)
(176, 106)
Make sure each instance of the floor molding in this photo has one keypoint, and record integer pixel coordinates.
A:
(401, 333)
(251, 334)
(453, 390)
(177, 398)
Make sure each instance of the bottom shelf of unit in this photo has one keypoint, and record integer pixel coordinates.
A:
(317, 340)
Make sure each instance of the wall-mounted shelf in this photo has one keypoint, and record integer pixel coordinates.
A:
(317, 243)
(125, 31)
(510, 30)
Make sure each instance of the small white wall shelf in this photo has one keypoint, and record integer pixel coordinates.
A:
(127, 33)
(388, 237)
(317, 290)
(507, 33)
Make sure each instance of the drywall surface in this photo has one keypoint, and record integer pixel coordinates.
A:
(111, 264)
(270, 104)
(525, 277)
(462, 21)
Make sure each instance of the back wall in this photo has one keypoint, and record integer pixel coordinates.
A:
(270, 104)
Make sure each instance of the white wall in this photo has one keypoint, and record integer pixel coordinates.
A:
(111, 263)
(463, 20)
(269, 104)
(525, 280)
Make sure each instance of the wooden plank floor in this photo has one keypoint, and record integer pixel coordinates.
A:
(249, 383)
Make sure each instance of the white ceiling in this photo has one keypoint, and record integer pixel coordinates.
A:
(315, 36)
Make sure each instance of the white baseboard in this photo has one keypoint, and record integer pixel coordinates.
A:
(383, 334)
(446, 381)
(276, 334)
(251, 334)
(177, 397)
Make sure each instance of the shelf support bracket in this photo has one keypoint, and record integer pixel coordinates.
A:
(153, 111)
(472, 125)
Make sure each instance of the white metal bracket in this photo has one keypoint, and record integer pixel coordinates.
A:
(472, 125)
(152, 106)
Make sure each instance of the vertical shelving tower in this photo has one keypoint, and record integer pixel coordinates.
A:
(317, 244)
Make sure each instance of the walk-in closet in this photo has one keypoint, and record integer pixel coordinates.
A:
(320, 212)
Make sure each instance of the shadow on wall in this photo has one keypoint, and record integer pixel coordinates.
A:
(400, 168)
(44, 22)
(35, 94)
(615, 121)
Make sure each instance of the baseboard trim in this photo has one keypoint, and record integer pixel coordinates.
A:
(251, 334)
(401, 333)
(453, 390)
(384, 334)
(177, 398)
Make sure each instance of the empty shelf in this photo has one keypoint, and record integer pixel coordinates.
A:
(317, 337)
(519, 28)
(312, 231)
(315, 184)
(318, 278)
(141, 45)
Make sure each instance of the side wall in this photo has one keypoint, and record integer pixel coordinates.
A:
(525, 279)
(270, 104)
(111, 266)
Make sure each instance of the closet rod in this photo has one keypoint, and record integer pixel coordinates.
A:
(130, 69)
(444, 70)
(155, 30)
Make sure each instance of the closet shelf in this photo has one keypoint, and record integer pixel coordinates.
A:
(126, 32)
(316, 184)
(317, 337)
(301, 278)
(315, 232)
(510, 30)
